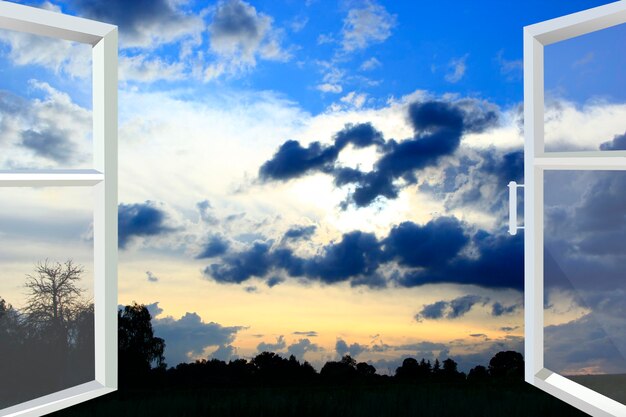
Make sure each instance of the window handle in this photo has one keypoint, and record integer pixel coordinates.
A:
(513, 227)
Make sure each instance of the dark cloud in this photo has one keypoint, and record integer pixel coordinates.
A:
(225, 353)
(151, 277)
(215, 246)
(272, 347)
(342, 348)
(360, 135)
(293, 161)
(432, 253)
(452, 309)
(251, 289)
(509, 328)
(357, 253)
(432, 311)
(310, 333)
(144, 23)
(239, 267)
(430, 245)
(189, 336)
(51, 144)
(273, 281)
(618, 143)
(302, 346)
(140, 219)
(462, 305)
(299, 232)
(481, 335)
(500, 264)
(498, 309)
(438, 127)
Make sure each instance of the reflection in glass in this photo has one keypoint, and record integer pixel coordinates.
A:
(585, 92)
(46, 291)
(45, 103)
(585, 278)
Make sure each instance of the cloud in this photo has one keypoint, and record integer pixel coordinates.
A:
(51, 132)
(591, 344)
(342, 348)
(500, 264)
(499, 309)
(309, 333)
(511, 69)
(151, 277)
(204, 208)
(51, 144)
(452, 309)
(299, 232)
(430, 245)
(141, 220)
(144, 23)
(301, 347)
(429, 254)
(618, 143)
(438, 127)
(238, 35)
(272, 347)
(366, 25)
(370, 64)
(147, 69)
(215, 246)
(457, 68)
(329, 88)
(292, 160)
(188, 337)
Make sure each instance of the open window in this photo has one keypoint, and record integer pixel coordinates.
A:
(575, 209)
(90, 202)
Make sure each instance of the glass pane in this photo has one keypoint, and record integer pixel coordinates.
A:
(585, 278)
(46, 291)
(585, 92)
(45, 103)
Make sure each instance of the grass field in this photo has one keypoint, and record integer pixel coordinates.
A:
(389, 399)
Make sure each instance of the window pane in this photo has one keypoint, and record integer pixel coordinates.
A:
(45, 102)
(585, 92)
(46, 291)
(585, 278)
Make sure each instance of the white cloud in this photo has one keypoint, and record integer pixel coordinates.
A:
(60, 56)
(329, 88)
(370, 64)
(366, 25)
(354, 99)
(146, 69)
(457, 69)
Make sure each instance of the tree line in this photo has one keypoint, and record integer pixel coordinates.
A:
(141, 358)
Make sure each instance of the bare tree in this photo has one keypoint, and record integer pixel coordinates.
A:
(54, 296)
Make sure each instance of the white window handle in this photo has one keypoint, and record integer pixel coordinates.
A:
(513, 227)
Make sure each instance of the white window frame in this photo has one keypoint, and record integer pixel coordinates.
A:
(536, 161)
(103, 179)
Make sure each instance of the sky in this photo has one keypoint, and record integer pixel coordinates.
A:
(323, 178)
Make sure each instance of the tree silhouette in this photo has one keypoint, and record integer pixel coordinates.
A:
(508, 365)
(478, 374)
(54, 297)
(139, 349)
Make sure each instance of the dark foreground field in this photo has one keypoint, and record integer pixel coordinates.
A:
(395, 399)
(611, 385)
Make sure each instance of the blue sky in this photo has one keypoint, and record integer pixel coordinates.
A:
(318, 177)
